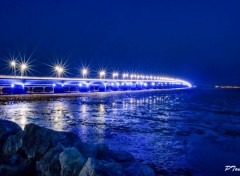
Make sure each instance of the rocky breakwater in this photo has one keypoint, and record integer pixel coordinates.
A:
(44, 152)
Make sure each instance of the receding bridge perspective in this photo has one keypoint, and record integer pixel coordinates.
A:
(58, 85)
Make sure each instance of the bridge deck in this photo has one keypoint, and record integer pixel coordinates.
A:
(53, 85)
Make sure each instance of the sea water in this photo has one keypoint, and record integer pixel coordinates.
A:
(178, 133)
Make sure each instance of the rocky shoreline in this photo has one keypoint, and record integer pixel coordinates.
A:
(44, 152)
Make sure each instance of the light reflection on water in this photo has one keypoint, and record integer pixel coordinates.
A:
(176, 131)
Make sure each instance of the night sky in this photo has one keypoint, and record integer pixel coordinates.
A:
(195, 40)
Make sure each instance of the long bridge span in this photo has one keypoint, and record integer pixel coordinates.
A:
(58, 85)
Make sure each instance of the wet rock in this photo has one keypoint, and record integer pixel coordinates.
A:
(117, 156)
(101, 168)
(35, 141)
(121, 156)
(49, 164)
(13, 144)
(15, 159)
(137, 168)
(163, 172)
(44, 152)
(38, 140)
(20, 169)
(7, 128)
(71, 161)
(92, 150)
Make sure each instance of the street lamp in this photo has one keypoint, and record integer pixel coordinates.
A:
(125, 75)
(13, 64)
(102, 74)
(23, 68)
(84, 72)
(59, 70)
(131, 76)
(115, 74)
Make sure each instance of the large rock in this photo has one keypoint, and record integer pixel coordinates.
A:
(137, 168)
(44, 152)
(92, 150)
(39, 140)
(13, 144)
(71, 161)
(7, 128)
(94, 167)
(49, 164)
(35, 141)
(20, 169)
(115, 156)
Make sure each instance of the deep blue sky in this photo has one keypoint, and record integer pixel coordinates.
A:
(196, 40)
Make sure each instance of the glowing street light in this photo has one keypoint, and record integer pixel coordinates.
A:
(115, 74)
(102, 74)
(13, 64)
(124, 75)
(59, 70)
(23, 68)
(131, 76)
(84, 72)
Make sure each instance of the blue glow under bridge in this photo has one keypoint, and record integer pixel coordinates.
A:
(54, 85)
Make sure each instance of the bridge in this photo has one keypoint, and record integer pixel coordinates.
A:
(58, 85)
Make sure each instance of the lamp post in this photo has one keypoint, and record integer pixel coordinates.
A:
(13, 64)
(102, 74)
(59, 70)
(23, 68)
(84, 72)
(115, 75)
(124, 75)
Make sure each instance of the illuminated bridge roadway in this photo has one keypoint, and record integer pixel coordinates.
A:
(58, 85)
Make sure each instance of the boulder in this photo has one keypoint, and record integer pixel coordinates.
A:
(39, 140)
(137, 168)
(92, 150)
(35, 141)
(71, 161)
(49, 164)
(94, 167)
(7, 128)
(44, 152)
(20, 169)
(116, 156)
(13, 144)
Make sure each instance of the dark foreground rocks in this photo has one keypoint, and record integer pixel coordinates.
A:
(44, 152)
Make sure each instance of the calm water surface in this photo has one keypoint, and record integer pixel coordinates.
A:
(194, 133)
